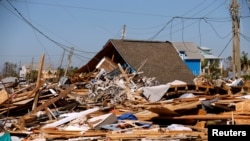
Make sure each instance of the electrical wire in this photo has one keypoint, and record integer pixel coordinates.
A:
(100, 10)
(46, 52)
(200, 31)
(225, 46)
(245, 37)
(182, 37)
(161, 29)
(66, 48)
(221, 37)
(30, 24)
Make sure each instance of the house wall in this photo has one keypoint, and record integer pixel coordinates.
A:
(194, 66)
(46, 74)
(23, 72)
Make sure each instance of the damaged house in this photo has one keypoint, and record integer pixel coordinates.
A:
(153, 58)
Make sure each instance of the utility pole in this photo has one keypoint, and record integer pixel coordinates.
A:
(62, 59)
(69, 60)
(123, 31)
(234, 10)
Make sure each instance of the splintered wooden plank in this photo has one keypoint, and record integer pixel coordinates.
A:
(237, 113)
(53, 133)
(45, 105)
(161, 110)
(3, 96)
(184, 105)
(39, 82)
(53, 100)
(243, 106)
(24, 89)
(123, 73)
(242, 121)
(171, 109)
(23, 101)
(146, 115)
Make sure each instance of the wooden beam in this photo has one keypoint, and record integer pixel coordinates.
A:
(39, 82)
(45, 105)
(123, 73)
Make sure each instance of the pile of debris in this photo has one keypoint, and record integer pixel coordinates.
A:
(121, 106)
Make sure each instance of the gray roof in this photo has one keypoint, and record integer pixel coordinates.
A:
(190, 49)
(207, 54)
(162, 60)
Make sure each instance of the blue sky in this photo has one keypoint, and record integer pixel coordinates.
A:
(50, 26)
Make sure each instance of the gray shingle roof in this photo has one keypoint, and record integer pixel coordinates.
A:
(190, 49)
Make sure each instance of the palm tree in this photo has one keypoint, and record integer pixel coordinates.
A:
(244, 62)
(204, 63)
(214, 69)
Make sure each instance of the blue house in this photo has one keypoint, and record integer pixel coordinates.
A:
(190, 54)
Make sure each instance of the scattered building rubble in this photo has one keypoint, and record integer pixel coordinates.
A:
(106, 106)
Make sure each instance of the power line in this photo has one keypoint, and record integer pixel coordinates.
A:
(245, 37)
(100, 10)
(161, 29)
(182, 37)
(221, 37)
(64, 47)
(30, 24)
(225, 47)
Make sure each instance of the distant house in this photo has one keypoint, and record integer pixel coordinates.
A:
(47, 73)
(23, 72)
(154, 58)
(210, 58)
(190, 54)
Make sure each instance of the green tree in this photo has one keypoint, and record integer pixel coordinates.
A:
(72, 71)
(9, 69)
(228, 62)
(204, 63)
(244, 62)
(32, 76)
(214, 69)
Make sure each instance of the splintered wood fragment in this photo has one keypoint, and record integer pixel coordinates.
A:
(46, 104)
(123, 73)
(242, 121)
(35, 90)
(48, 113)
(53, 100)
(161, 110)
(243, 106)
(3, 96)
(38, 81)
(24, 89)
(200, 124)
(247, 113)
(54, 134)
(35, 101)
